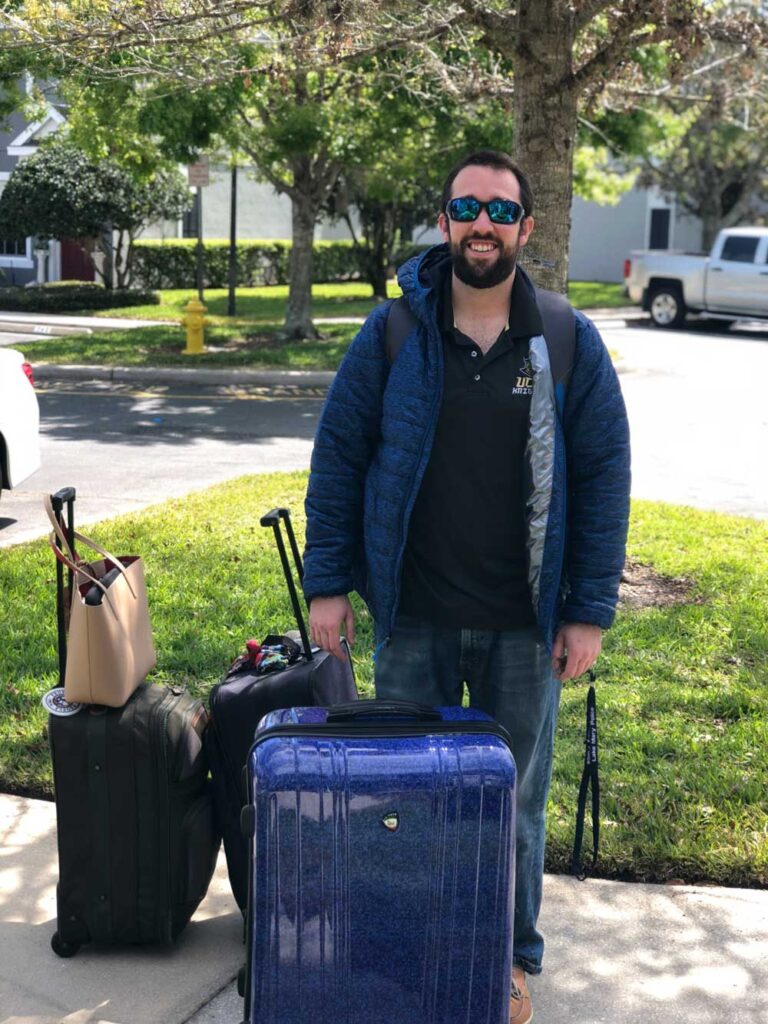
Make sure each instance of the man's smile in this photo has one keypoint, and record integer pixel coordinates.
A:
(480, 246)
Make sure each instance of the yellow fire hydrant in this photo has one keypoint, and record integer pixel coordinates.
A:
(194, 322)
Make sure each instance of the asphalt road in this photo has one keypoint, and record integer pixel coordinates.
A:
(696, 402)
(698, 415)
(125, 447)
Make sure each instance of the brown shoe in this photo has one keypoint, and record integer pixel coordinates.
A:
(520, 1009)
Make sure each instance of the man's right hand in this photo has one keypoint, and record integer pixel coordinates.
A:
(326, 615)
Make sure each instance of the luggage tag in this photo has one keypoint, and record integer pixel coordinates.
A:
(55, 703)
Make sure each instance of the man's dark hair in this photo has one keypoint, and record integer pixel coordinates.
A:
(490, 158)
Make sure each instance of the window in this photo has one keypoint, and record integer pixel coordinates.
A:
(659, 229)
(740, 249)
(13, 246)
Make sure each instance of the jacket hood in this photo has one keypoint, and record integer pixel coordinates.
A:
(421, 277)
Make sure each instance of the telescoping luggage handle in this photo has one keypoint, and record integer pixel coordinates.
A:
(62, 498)
(273, 519)
(358, 710)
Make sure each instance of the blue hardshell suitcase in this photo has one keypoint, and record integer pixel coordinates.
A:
(381, 885)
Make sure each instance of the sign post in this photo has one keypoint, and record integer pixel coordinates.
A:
(198, 176)
(231, 300)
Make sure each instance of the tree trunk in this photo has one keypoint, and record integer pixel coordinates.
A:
(546, 121)
(377, 278)
(710, 225)
(298, 317)
(380, 242)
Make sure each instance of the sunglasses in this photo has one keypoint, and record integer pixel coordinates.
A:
(500, 211)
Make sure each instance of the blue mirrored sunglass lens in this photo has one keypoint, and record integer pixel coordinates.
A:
(500, 211)
(464, 209)
(503, 211)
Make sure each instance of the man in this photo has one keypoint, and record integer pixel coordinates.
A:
(480, 512)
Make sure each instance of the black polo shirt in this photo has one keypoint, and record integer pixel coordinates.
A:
(465, 563)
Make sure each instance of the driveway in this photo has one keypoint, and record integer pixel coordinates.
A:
(698, 415)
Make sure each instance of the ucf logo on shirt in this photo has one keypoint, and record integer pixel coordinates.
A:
(524, 379)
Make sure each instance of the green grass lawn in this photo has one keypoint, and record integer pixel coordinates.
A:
(682, 695)
(265, 305)
(226, 346)
(250, 338)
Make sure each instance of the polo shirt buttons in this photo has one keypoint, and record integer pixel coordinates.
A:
(474, 353)
(477, 376)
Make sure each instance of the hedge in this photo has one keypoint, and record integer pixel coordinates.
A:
(173, 264)
(66, 297)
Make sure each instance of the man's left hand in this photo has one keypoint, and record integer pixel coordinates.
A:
(575, 649)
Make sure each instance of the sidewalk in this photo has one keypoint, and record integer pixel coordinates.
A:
(64, 323)
(617, 953)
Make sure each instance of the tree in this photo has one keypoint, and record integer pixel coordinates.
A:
(60, 193)
(271, 75)
(412, 144)
(714, 162)
(567, 56)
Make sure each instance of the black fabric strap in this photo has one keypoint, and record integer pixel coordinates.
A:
(589, 775)
(98, 806)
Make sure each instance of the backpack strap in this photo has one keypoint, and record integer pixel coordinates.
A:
(559, 332)
(400, 321)
(559, 325)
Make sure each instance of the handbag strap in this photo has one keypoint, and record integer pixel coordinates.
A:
(589, 776)
(63, 538)
(88, 541)
(83, 567)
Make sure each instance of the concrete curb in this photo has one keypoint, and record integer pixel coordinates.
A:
(180, 375)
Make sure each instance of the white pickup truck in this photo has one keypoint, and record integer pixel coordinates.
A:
(729, 284)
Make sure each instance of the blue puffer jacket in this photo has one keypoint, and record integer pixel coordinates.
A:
(373, 444)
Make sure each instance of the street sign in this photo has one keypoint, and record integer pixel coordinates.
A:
(198, 175)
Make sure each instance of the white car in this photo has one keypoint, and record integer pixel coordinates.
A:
(19, 420)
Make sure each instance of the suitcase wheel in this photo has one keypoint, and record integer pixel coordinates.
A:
(62, 948)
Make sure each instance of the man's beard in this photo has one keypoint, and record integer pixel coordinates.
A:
(483, 275)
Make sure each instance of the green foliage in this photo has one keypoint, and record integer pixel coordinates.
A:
(65, 297)
(173, 264)
(59, 192)
(597, 179)
(408, 143)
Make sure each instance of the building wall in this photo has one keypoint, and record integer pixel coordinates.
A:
(261, 212)
(601, 236)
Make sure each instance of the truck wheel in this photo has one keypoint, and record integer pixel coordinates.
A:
(666, 306)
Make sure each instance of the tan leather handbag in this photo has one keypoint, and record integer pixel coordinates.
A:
(109, 649)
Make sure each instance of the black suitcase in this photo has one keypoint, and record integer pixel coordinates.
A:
(136, 834)
(242, 698)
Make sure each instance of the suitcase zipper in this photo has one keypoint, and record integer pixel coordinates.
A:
(382, 729)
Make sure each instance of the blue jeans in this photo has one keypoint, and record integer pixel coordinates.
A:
(509, 676)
